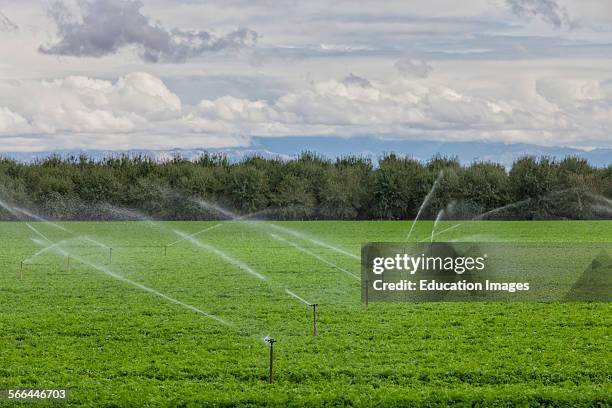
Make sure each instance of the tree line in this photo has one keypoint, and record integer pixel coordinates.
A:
(306, 188)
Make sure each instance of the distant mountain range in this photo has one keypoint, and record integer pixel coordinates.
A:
(331, 147)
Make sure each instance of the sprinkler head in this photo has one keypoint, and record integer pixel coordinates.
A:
(270, 340)
(313, 305)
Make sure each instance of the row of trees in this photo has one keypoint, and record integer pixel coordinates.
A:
(309, 187)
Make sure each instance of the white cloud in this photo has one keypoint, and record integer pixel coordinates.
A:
(147, 96)
(580, 104)
(569, 93)
(80, 104)
(138, 111)
(12, 123)
(403, 108)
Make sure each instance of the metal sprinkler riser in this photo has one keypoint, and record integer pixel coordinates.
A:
(271, 341)
(314, 318)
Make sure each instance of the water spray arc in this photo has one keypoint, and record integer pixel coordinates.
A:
(452, 227)
(20, 212)
(500, 209)
(314, 241)
(9, 209)
(425, 203)
(230, 215)
(314, 309)
(435, 224)
(41, 219)
(290, 293)
(37, 232)
(188, 236)
(47, 249)
(312, 254)
(241, 265)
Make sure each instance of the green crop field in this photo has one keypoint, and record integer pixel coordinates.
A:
(183, 324)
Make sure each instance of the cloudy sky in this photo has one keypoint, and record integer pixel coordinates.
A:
(118, 74)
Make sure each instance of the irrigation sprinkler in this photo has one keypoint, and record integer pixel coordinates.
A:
(21, 271)
(68, 262)
(271, 341)
(314, 319)
(165, 250)
(110, 256)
